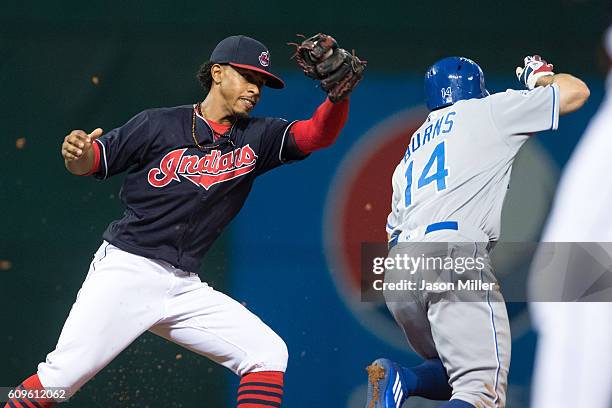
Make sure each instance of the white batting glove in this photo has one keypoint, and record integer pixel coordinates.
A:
(535, 68)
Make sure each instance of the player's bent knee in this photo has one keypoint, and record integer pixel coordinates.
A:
(275, 356)
(272, 355)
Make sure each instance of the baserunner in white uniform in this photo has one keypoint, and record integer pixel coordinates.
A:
(448, 192)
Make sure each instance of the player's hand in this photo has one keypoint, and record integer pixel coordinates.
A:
(535, 68)
(78, 143)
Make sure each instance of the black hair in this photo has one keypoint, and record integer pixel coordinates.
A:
(204, 76)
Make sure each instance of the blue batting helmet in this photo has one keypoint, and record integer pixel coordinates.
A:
(453, 79)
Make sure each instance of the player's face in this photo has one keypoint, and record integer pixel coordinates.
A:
(241, 89)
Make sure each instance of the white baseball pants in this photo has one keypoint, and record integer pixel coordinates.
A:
(125, 295)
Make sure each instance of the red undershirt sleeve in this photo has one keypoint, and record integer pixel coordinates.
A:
(96, 162)
(323, 128)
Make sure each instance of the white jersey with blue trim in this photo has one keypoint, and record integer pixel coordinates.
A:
(457, 165)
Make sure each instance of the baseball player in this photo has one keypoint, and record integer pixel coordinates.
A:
(448, 192)
(189, 170)
(574, 358)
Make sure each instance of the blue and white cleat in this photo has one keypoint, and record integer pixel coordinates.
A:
(386, 387)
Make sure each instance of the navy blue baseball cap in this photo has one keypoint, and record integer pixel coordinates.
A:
(247, 53)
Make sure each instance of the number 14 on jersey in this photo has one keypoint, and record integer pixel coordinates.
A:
(440, 172)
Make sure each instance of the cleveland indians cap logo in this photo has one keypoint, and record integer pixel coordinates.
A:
(264, 58)
(204, 171)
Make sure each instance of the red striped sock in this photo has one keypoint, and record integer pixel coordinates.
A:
(263, 389)
(32, 383)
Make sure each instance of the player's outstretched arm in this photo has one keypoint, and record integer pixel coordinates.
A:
(573, 92)
(78, 152)
(323, 128)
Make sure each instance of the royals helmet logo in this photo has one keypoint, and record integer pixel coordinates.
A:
(264, 59)
(204, 171)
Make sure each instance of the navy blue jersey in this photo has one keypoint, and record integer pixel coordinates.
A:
(178, 197)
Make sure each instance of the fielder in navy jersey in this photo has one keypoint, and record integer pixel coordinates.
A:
(188, 171)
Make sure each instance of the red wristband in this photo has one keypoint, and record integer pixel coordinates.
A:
(96, 162)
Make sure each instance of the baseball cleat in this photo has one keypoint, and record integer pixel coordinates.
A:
(386, 386)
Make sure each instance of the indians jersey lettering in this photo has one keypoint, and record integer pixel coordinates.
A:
(203, 171)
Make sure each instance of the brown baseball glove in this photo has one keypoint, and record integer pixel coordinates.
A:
(338, 70)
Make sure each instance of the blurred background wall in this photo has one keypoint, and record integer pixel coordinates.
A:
(289, 255)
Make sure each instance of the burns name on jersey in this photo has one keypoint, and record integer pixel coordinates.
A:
(441, 126)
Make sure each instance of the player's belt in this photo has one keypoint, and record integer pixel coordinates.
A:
(444, 225)
(407, 236)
